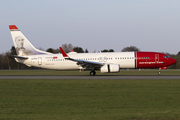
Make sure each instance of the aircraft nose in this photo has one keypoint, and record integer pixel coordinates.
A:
(173, 61)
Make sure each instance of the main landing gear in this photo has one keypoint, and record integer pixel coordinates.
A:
(92, 73)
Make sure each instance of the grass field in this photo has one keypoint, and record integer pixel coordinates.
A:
(55, 72)
(89, 99)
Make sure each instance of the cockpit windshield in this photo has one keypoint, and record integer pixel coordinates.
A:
(166, 56)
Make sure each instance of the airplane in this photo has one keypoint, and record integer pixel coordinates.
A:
(110, 62)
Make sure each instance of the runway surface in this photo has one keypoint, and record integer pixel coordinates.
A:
(132, 77)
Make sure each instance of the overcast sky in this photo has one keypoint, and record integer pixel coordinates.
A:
(150, 25)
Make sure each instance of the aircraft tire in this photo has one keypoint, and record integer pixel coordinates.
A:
(92, 73)
(159, 73)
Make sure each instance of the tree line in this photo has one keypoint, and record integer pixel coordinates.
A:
(10, 63)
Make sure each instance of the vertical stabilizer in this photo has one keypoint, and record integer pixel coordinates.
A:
(22, 45)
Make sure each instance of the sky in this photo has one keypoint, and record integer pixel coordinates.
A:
(150, 25)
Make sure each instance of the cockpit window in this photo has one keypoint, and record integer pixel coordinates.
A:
(166, 56)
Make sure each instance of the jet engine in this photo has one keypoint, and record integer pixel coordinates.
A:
(107, 68)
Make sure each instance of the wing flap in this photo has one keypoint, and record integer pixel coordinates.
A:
(89, 62)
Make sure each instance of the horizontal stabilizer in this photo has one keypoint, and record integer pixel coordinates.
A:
(15, 56)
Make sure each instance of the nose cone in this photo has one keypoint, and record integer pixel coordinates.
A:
(172, 61)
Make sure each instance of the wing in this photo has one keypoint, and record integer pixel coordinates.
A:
(83, 63)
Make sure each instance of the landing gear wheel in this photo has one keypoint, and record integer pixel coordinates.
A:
(92, 73)
(159, 73)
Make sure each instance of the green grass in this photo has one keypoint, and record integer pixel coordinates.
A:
(55, 72)
(89, 99)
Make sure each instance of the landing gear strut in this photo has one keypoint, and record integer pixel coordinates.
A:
(92, 73)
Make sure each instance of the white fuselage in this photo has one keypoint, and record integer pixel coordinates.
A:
(56, 61)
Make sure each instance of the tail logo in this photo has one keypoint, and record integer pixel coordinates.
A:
(20, 50)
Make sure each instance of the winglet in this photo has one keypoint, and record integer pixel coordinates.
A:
(63, 53)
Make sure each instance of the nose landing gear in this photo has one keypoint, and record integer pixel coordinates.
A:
(159, 73)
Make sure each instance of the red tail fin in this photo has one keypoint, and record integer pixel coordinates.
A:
(13, 27)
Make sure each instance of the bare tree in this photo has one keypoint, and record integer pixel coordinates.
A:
(67, 47)
(129, 49)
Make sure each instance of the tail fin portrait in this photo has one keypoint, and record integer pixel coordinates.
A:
(21, 43)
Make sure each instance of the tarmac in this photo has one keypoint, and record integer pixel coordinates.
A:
(98, 77)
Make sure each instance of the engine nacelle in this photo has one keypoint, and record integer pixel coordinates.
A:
(107, 68)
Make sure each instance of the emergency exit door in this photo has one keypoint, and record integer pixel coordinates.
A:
(39, 61)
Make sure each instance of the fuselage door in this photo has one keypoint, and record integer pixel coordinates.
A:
(156, 58)
(39, 61)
